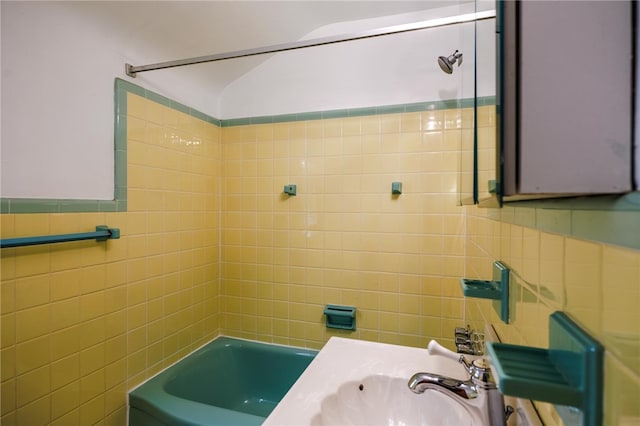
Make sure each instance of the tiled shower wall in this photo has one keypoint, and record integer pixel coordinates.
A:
(596, 284)
(84, 322)
(344, 238)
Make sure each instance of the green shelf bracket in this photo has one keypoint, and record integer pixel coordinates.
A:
(569, 373)
(496, 289)
(114, 233)
(492, 186)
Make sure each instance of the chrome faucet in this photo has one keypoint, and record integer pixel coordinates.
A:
(479, 391)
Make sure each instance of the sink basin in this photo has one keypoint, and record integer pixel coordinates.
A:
(328, 392)
(385, 400)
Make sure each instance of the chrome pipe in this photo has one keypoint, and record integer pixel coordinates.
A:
(132, 70)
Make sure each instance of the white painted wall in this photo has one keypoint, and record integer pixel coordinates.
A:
(52, 106)
(396, 69)
(60, 59)
(58, 68)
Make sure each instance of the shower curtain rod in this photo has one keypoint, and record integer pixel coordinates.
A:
(132, 70)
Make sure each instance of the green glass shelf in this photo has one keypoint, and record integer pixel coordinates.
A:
(568, 373)
(481, 289)
(496, 289)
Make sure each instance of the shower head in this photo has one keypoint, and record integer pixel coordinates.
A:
(447, 63)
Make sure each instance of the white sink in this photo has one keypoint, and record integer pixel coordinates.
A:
(328, 392)
(384, 400)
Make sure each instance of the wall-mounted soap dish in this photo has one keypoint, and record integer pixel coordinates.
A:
(342, 317)
(569, 373)
(496, 289)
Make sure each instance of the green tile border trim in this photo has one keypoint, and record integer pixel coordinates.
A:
(360, 112)
(129, 87)
(122, 87)
(606, 219)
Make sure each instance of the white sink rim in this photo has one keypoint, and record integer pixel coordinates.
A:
(343, 360)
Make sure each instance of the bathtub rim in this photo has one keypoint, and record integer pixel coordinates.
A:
(205, 344)
(174, 404)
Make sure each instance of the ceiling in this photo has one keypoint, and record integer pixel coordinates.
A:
(194, 28)
(158, 31)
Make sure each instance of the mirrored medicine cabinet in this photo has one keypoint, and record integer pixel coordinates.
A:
(562, 125)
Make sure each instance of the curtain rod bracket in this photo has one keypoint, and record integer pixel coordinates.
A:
(128, 69)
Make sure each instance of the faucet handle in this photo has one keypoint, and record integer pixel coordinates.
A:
(435, 348)
(462, 331)
(479, 368)
(465, 349)
(462, 340)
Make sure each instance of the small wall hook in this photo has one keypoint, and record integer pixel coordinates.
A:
(290, 189)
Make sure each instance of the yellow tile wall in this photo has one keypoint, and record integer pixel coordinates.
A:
(83, 322)
(344, 239)
(486, 143)
(598, 285)
(485, 150)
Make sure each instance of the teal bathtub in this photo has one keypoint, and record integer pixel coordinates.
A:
(227, 382)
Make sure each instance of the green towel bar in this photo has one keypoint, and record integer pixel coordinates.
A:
(102, 233)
